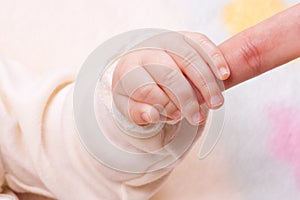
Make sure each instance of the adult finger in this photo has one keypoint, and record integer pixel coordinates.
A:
(263, 47)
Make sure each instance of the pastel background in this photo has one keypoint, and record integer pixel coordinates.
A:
(258, 156)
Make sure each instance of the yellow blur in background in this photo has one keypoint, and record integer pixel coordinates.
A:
(241, 14)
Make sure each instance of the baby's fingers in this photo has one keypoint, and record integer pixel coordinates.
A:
(210, 53)
(184, 51)
(152, 78)
(146, 101)
(143, 94)
(200, 75)
(179, 90)
(139, 113)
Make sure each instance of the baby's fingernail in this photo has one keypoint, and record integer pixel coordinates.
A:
(224, 73)
(197, 118)
(216, 101)
(146, 116)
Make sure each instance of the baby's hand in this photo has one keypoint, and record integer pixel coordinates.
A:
(152, 85)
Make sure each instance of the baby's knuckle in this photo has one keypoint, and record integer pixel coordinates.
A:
(216, 55)
(171, 78)
(190, 102)
(145, 92)
(204, 41)
(188, 60)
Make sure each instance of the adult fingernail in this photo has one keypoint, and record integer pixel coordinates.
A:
(216, 101)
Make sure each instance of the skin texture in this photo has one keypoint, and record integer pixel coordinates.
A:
(248, 54)
(263, 47)
(237, 63)
(146, 78)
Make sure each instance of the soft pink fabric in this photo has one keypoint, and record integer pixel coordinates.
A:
(285, 141)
